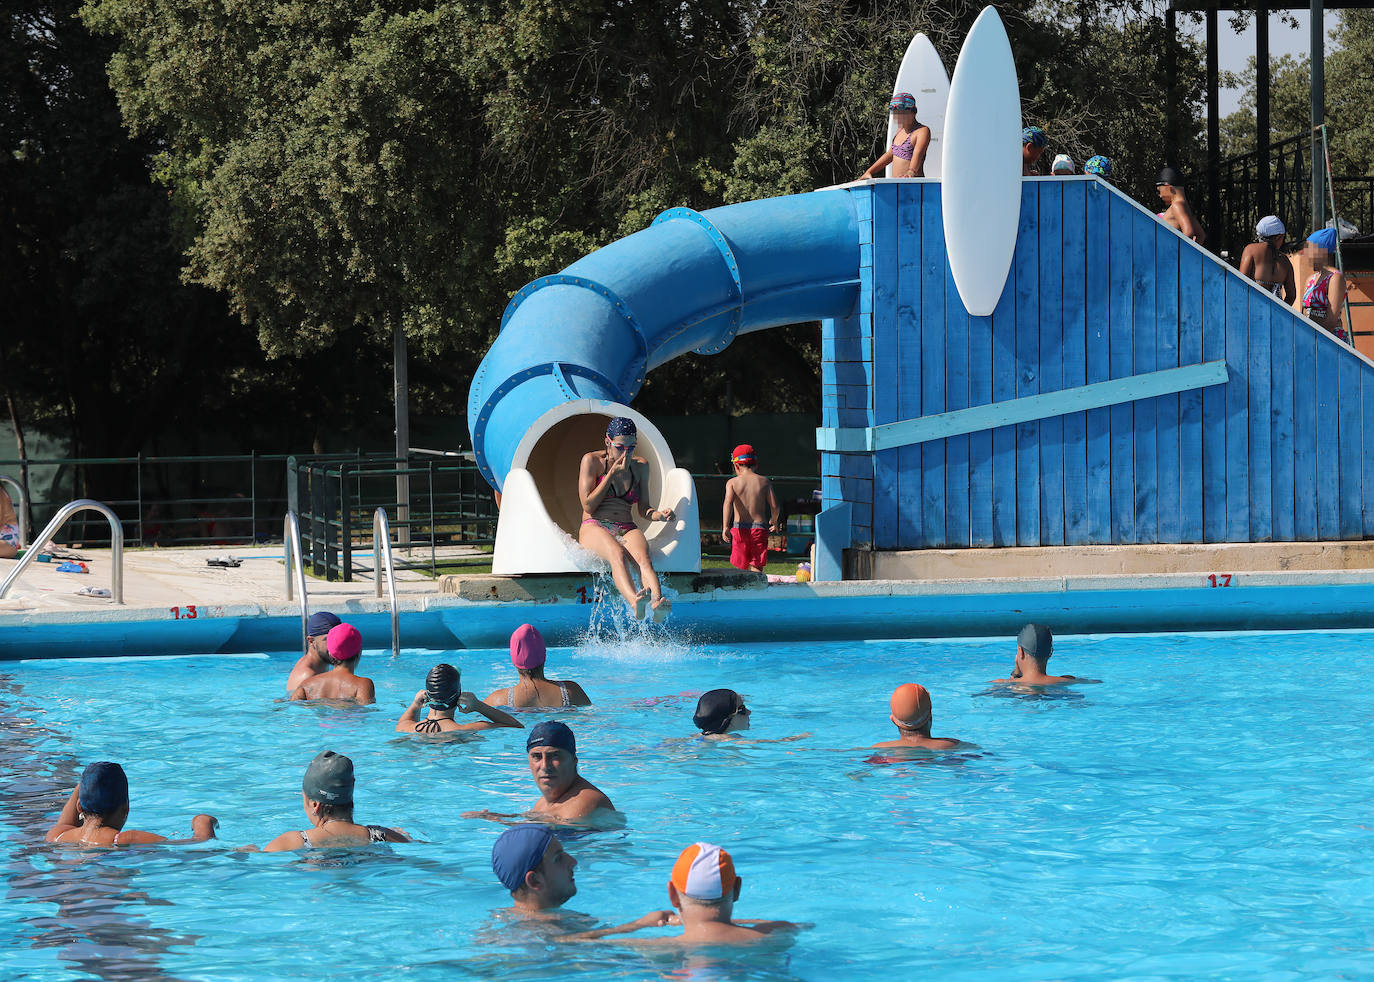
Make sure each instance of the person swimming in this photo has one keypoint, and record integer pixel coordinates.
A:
(315, 660)
(704, 889)
(721, 714)
(345, 648)
(532, 690)
(911, 713)
(327, 797)
(98, 807)
(444, 695)
(610, 483)
(564, 794)
(1034, 646)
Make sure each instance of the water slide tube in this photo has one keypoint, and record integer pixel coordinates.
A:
(575, 347)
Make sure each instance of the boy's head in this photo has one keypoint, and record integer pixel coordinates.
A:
(743, 456)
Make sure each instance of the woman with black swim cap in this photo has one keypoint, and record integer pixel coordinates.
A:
(443, 694)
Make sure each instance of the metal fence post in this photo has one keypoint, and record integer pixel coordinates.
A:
(345, 526)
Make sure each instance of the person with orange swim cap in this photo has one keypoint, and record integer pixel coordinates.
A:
(704, 888)
(911, 712)
(1034, 645)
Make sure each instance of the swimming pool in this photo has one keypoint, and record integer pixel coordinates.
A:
(1204, 812)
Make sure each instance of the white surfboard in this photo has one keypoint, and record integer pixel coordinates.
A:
(923, 75)
(981, 188)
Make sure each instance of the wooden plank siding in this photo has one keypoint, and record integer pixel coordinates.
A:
(1099, 290)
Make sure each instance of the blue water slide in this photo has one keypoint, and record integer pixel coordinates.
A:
(690, 282)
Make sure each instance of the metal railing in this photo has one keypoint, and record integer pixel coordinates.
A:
(381, 538)
(291, 554)
(64, 513)
(450, 504)
(21, 507)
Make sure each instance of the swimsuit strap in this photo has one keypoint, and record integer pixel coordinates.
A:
(376, 833)
(563, 688)
(429, 726)
(305, 838)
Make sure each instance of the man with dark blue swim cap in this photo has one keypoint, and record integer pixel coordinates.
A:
(315, 661)
(564, 794)
(532, 864)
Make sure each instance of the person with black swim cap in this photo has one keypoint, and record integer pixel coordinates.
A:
(721, 714)
(443, 694)
(1177, 212)
(98, 807)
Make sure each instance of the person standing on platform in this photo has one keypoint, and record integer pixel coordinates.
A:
(1033, 142)
(1323, 299)
(1264, 263)
(750, 512)
(907, 155)
(1177, 212)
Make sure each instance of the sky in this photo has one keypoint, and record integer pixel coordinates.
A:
(1233, 49)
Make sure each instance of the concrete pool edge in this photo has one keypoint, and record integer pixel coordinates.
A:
(780, 612)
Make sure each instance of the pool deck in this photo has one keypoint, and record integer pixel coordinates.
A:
(176, 604)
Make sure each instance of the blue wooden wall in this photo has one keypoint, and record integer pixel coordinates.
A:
(1099, 289)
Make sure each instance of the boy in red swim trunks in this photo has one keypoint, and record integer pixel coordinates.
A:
(749, 498)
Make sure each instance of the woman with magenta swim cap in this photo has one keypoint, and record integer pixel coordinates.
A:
(610, 483)
(532, 690)
(907, 155)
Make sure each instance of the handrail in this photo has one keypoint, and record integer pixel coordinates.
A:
(58, 520)
(381, 548)
(291, 548)
(22, 510)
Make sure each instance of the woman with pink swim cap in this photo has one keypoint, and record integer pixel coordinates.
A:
(532, 690)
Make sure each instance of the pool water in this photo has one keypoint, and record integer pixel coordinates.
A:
(1205, 812)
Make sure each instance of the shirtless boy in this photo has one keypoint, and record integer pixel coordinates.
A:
(345, 647)
(750, 512)
(1265, 264)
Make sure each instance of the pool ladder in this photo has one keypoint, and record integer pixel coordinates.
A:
(381, 535)
(60, 519)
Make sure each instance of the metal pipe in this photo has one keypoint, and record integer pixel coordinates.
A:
(291, 546)
(1266, 203)
(60, 519)
(22, 511)
(381, 550)
(1317, 43)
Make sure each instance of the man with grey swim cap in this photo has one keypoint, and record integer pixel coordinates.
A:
(1034, 645)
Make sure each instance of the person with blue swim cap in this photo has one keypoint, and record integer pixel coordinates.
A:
(564, 795)
(1099, 166)
(315, 660)
(98, 807)
(1323, 298)
(910, 144)
(1033, 142)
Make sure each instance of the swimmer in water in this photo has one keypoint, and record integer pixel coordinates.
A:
(911, 713)
(704, 889)
(443, 694)
(1265, 263)
(564, 795)
(315, 661)
(721, 714)
(327, 797)
(907, 155)
(1177, 212)
(345, 647)
(1034, 645)
(610, 483)
(98, 807)
(532, 690)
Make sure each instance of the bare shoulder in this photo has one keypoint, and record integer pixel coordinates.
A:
(286, 842)
(137, 837)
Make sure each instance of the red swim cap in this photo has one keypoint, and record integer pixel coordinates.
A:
(741, 453)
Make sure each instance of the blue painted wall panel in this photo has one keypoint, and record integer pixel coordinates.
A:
(887, 311)
(1328, 441)
(1349, 414)
(1120, 254)
(980, 443)
(1367, 458)
(1051, 356)
(1280, 369)
(1304, 435)
(1237, 412)
(1214, 406)
(1074, 313)
(932, 363)
(1097, 361)
(1167, 408)
(1026, 273)
(1258, 382)
(1145, 438)
(957, 532)
(908, 368)
(1190, 458)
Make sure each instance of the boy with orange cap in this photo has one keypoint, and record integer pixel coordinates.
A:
(704, 889)
(749, 496)
(911, 712)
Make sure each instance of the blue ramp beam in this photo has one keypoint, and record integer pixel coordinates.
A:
(1023, 410)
